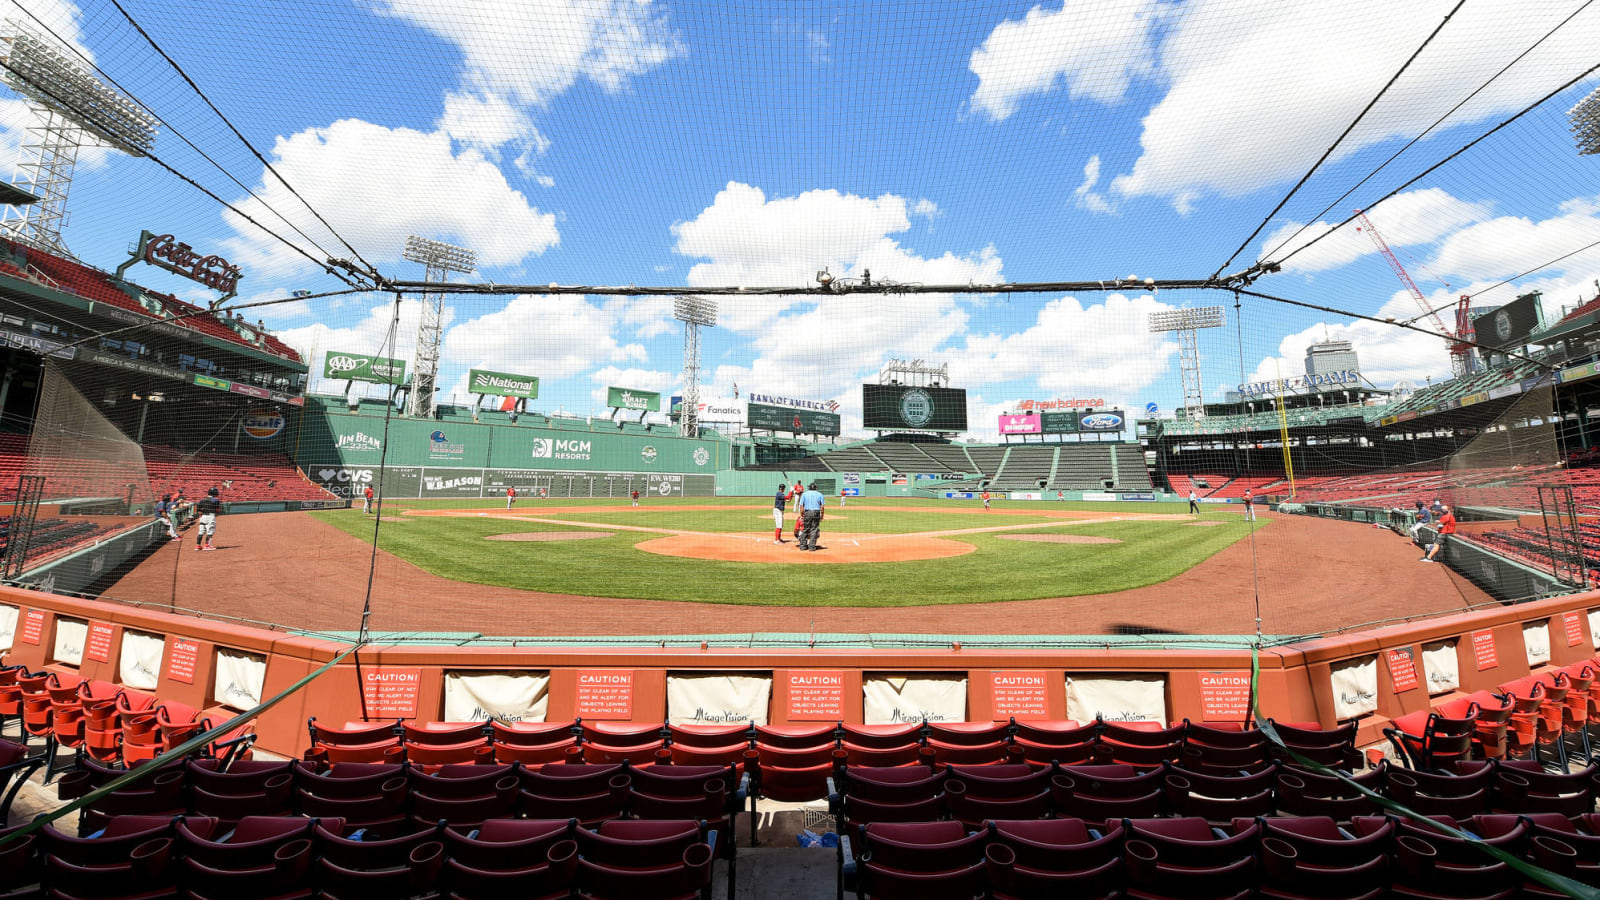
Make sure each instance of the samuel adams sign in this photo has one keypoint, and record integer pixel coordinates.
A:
(169, 253)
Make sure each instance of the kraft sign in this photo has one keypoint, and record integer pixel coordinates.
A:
(1030, 424)
(625, 398)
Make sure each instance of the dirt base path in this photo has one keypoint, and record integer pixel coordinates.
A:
(1311, 575)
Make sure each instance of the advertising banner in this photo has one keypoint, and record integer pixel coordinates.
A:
(1028, 424)
(139, 663)
(897, 699)
(1117, 698)
(696, 699)
(240, 678)
(361, 367)
(1059, 422)
(501, 384)
(71, 635)
(1536, 642)
(890, 407)
(8, 625)
(1355, 688)
(792, 419)
(474, 696)
(1440, 665)
(722, 411)
(627, 398)
(262, 424)
(1110, 420)
(452, 483)
(352, 481)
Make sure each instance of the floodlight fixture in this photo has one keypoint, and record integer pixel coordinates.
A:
(1585, 123)
(440, 255)
(43, 72)
(1181, 319)
(439, 260)
(1186, 323)
(695, 310)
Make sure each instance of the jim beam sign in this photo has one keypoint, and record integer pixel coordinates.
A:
(500, 384)
(177, 257)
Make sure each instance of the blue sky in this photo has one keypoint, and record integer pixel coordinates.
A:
(628, 142)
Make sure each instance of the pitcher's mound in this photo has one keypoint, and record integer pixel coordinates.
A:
(1060, 538)
(550, 536)
(842, 547)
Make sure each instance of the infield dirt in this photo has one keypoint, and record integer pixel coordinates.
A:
(1310, 575)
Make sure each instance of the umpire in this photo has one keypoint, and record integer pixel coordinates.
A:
(811, 503)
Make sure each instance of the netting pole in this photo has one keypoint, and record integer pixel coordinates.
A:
(377, 518)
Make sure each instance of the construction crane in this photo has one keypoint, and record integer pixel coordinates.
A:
(1462, 336)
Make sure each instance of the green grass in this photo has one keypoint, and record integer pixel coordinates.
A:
(454, 548)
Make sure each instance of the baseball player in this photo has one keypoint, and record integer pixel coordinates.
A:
(366, 501)
(511, 496)
(841, 498)
(778, 500)
(635, 498)
(208, 507)
(985, 501)
(794, 494)
(162, 507)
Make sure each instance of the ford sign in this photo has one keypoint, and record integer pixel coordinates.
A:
(1101, 422)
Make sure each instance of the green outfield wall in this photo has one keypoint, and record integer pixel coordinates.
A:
(342, 450)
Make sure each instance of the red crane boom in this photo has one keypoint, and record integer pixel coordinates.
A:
(1460, 353)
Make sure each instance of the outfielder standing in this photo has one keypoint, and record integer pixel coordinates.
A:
(366, 500)
(985, 501)
(208, 507)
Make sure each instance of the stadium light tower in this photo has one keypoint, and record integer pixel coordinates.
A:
(71, 109)
(693, 312)
(1585, 119)
(440, 259)
(1186, 323)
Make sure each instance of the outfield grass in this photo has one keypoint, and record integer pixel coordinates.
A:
(454, 548)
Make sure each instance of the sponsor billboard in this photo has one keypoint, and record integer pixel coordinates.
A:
(1510, 325)
(1110, 420)
(452, 482)
(627, 398)
(360, 367)
(792, 419)
(1028, 424)
(500, 384)
(721, 410)
(1067, 404)
(351, 481)
(262, 424)
(891, 407)
(1059, 422)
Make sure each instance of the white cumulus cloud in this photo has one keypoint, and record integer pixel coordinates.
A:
(377, 185)
(1407, 219)
(1095, 53)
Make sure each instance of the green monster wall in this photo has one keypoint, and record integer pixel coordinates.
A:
(342, 450)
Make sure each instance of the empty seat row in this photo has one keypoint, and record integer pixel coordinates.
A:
(280, 857)
(970, 794)
(1191, 858)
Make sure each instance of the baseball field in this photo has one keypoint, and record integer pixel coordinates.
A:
(877, 552)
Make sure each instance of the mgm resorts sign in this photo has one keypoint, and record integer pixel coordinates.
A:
(166, 252)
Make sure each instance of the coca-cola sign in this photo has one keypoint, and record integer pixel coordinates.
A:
(167, 252)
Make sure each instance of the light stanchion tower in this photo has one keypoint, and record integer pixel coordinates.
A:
(440, 259)
(1185, 324)
(693, 312)
(1585, 120)
(71, 109)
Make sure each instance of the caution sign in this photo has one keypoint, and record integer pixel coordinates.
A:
(1402, 670)
(32, 627)
(1224, 696)
(1483, 650)
(1572, 623)
(605, 693)
(816, 695)
(180, 665)
(98, 647)
(390, 692)
(1020, 693)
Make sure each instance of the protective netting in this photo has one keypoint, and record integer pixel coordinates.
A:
(1006, 288)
